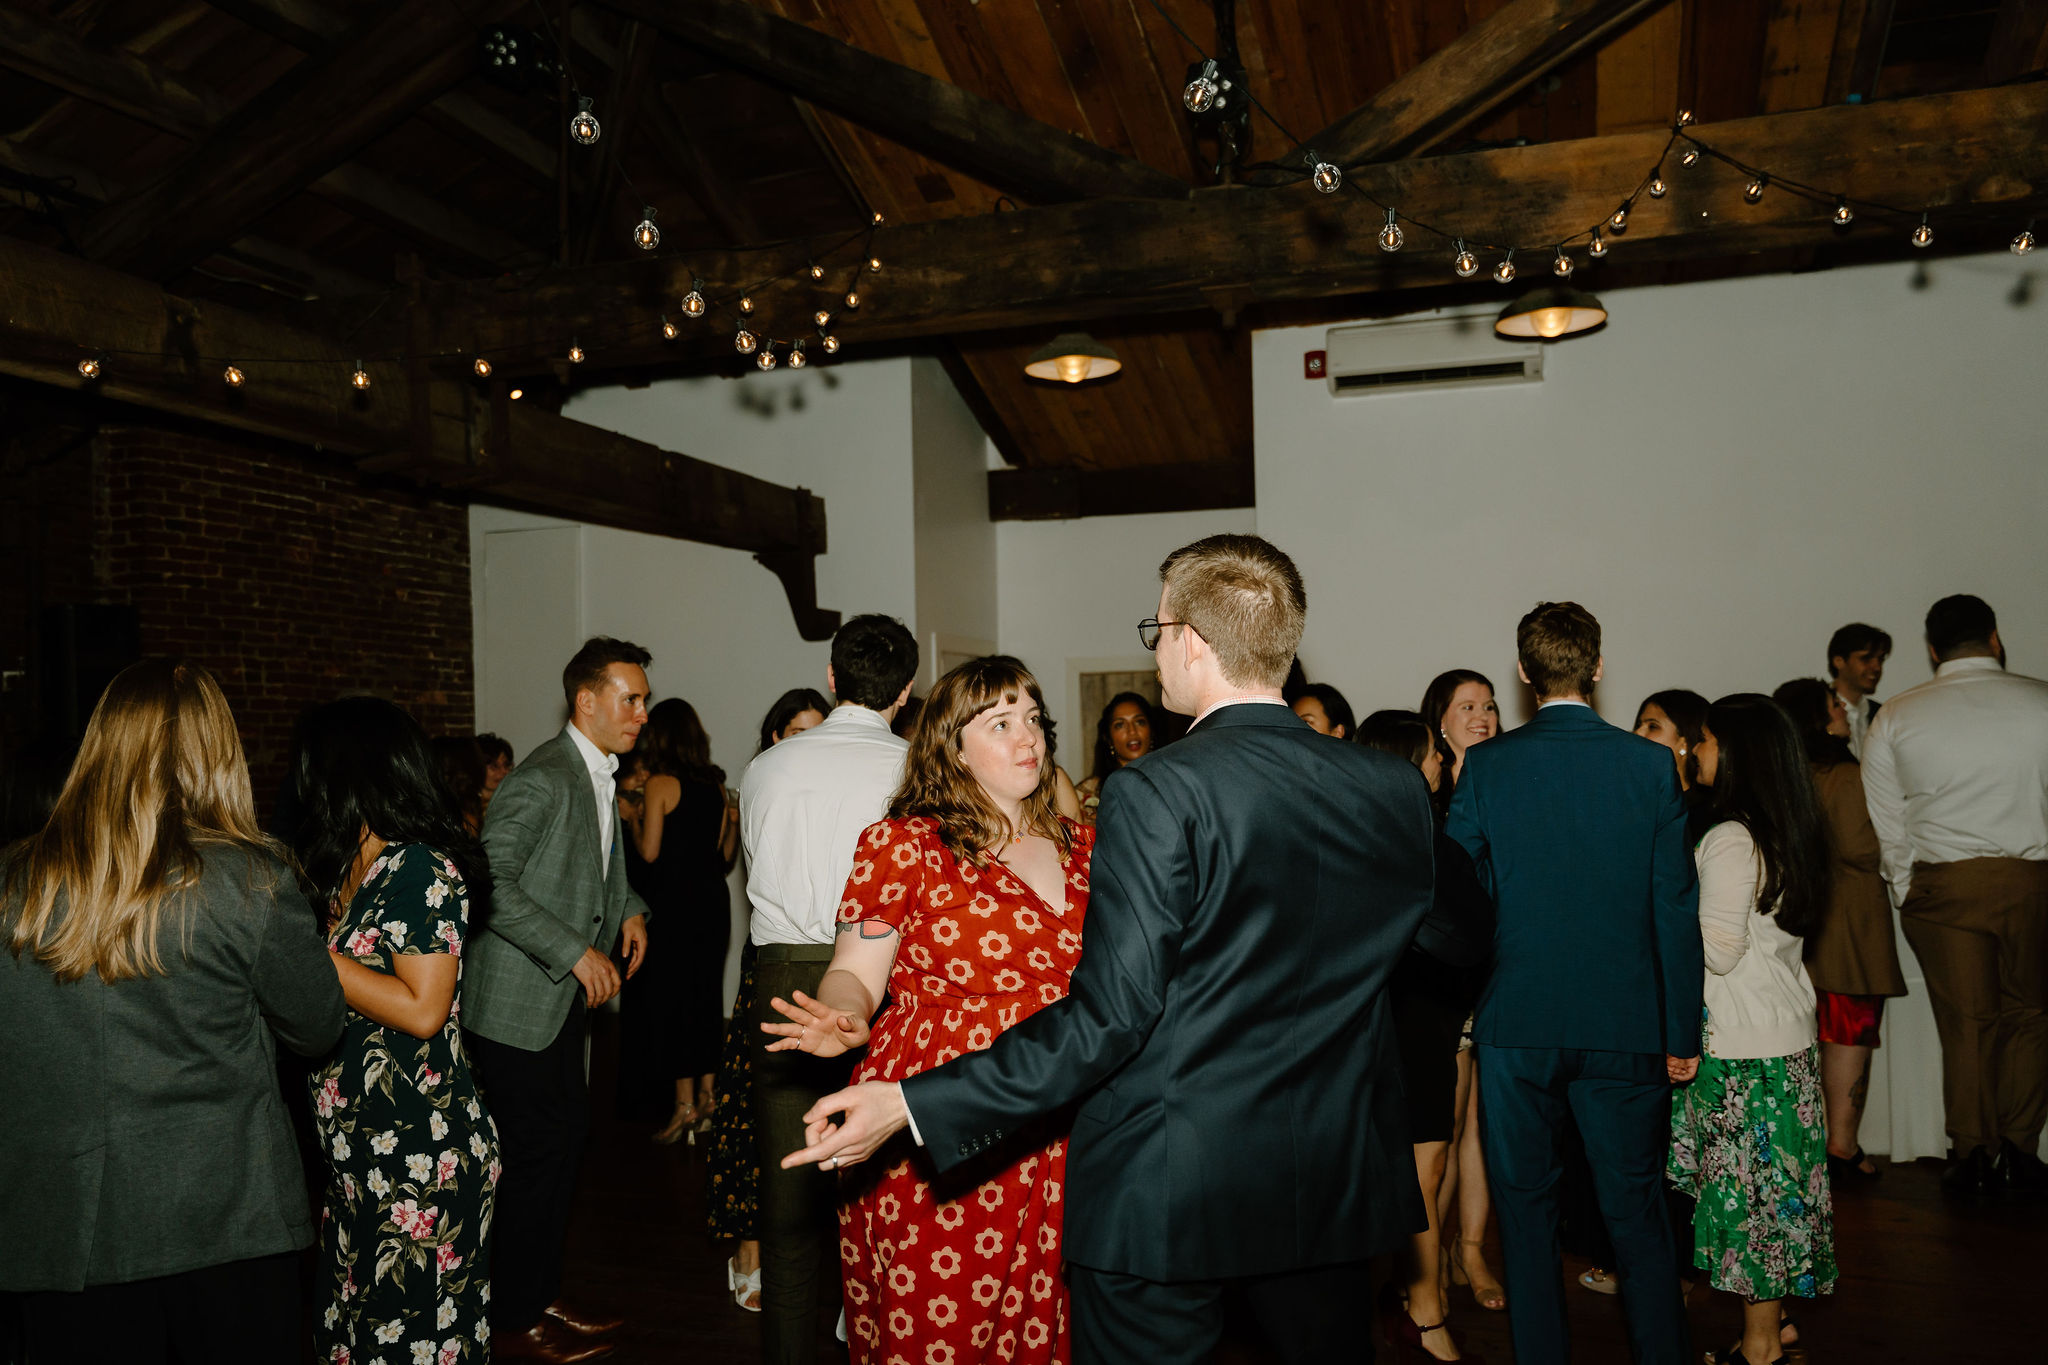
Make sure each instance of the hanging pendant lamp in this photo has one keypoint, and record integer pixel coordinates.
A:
(1072, 357)
(1547, 314)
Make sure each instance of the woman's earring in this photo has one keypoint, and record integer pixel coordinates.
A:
(1681, 749)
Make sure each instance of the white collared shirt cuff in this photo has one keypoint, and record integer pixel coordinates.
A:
(910, 1118)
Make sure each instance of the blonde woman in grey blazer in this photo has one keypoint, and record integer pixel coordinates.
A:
(151, 1199)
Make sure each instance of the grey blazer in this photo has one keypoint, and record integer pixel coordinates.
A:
(550, 899)
(142, 1127)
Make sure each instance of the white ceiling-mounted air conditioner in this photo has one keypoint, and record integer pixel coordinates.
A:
(1427, 353)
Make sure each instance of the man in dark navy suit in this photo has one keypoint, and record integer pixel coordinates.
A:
(1593, 1007)
(1228, 1033)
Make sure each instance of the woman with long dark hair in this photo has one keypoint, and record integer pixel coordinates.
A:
(1748, 1139)
(1852, 955)
(152, 1204)
(1459, 708)
(1322, 708)
(685, 835)
(1123, 734)
(412, 1155)
(1431, 1001)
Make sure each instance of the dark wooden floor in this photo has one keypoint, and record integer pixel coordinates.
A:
(1923, 1280)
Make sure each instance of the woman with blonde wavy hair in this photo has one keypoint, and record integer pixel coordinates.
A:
(157, 952)
(965, 904)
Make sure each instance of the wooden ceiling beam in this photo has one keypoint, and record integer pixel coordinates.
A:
(318, 116)
(452, 433)
(977, 136)
(1490, 62)
(1986, 149)
(2019, 40)
(1059, 494)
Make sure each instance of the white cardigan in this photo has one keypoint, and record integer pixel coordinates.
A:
(1760, 1002)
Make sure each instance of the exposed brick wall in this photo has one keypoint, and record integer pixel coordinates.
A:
(290, 580)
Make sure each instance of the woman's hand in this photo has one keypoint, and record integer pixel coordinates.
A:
(815, 1027)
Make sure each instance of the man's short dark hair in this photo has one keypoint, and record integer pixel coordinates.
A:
(1956, 623)
(1558, 645)
(873, 659)
(1855, 638)
(585, 672)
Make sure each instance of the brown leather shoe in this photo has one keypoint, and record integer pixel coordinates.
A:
(582, 1324)
(546, 1341)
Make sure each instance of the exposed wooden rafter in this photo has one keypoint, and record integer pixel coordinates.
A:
(989, 141)
(1063, 494)
(1493, 60)
(1071, 262)
(2019, 40)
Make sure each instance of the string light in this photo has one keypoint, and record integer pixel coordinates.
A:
(831, 344)
(1326, 178)
(1923, 236)
(797, 359)
(693, 302)
(747, 304)
(743, 342)
(876, 221)
(482, 368)
(2023, 243)
(575, 352)
(1391, 235)
(874, 265)
(817, 271)
(1504, 273)
(1657, 187)
(583, 127)
(1598, 246)
(1562, 266)
(766, 359)
(821, 317)
(517, 394)
(1843, 215)
(1685, 118)
(1465, 263)
(852, 298)
(89, 367)
(1205, 91)
(1619, 222)
(361, 377)
(1754, 190)
(668, 329)
(647, 236)
(1691, 158)
(233, 376)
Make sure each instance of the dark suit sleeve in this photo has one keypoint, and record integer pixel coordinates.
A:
(1463, 825)
(521, 813)
(1458, 930)
(1675, 910)
(295, 984)
(1141, 892)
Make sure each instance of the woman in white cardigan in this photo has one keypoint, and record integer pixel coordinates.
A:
(1748, 1135)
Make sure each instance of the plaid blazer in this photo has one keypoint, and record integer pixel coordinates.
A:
(550, 899)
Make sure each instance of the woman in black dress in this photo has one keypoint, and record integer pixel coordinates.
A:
(1431, 1002)
(412, 1154)
(685, 833)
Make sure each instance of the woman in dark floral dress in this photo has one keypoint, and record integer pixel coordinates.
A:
(412, 1154)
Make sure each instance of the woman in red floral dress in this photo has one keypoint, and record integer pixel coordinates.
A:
(966, 904)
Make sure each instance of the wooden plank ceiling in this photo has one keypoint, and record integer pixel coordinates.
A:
(102, 99)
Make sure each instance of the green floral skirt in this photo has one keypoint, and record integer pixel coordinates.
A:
(1749, 1142)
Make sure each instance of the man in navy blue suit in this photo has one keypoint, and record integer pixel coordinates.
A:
(1593, 1008)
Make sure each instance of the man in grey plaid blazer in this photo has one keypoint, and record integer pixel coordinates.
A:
(559, 903)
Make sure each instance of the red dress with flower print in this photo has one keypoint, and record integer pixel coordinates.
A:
(975, 1277)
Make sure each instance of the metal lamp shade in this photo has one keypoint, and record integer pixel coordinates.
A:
(1547, 314)
(1071, 358)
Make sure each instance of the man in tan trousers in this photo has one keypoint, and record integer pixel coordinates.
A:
(1956, 772)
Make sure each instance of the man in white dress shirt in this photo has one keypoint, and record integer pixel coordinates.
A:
(1856, 655)
(1956, 772)
(803, 805)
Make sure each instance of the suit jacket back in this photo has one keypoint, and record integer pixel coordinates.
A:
(1253, 886)
(1578, 829)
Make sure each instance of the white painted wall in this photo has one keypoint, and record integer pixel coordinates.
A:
(1726, 474)
(956, 542)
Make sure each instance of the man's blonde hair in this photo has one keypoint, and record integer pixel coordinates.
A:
(1245, 598)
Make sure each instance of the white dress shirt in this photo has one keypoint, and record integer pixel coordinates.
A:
(803, 804)
(1859, 722)
(1759, 999)
(602, 767)
(1958, 768)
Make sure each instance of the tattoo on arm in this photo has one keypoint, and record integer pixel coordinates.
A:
(869, 928)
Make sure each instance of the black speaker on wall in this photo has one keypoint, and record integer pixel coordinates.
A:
(83, 647)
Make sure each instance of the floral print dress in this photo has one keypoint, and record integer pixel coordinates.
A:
(941, 1272)
(412, 1155)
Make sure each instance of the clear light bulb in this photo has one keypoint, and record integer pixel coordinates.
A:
(2023, 243)
(1073, 368)
(693, 304)
(1391, 235)
(797, 358)
(668, 329)
(361, 377)
(877, 219)
(584, 127)
(1691, 158)
(233, 376)
(831, 344)
(1923, 236)
(1562, 266)
(1504, 273)
(874, 265)
(1201, 92)
(747, 304)
(482, 368)
(1685, 118)
(1551, 322)
(743, 342)
(817, 271)
(1753, 192)
(852, 298)
(1465, 263)
(1619, 222)
(1598, 246)
(90, 367)
(821, 317)
(1843, 215)
(516, 395)
(1326, 178)
(575, 353)
(766, 359)
(647, 236)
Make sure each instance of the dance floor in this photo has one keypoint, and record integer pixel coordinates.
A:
(1922, 1279)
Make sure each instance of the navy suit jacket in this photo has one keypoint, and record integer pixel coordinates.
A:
(1253, 886)
(1578, 830)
